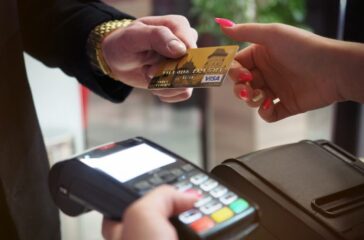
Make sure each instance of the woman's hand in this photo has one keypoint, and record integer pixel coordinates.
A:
(284, 63)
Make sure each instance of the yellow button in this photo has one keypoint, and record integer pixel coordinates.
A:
(222, 215)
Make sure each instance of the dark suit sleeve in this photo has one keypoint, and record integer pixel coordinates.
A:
(56, 31)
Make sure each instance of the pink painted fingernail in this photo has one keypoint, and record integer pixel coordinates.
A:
(224, 22)
(244, 94)
(267, 103)
(245, 77)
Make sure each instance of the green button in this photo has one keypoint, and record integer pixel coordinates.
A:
(239, 205)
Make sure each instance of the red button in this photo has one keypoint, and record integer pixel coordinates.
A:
(202, 224)
(194, 192)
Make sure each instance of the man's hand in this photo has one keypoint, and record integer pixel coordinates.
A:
(133, 53)
(148, 218)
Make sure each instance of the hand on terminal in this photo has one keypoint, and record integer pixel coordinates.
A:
(148, 218)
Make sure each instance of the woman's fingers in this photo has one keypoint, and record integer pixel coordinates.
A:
(248, 32)
(245, 57)
(271, 112)
(270, 107)
(253, 97)
(240, 74)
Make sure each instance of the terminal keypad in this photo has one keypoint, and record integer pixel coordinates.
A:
(216, 203)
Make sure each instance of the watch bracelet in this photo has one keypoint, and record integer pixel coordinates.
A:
(95, 38)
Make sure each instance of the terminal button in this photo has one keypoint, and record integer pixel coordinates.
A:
(208, 185)
(183, 186)
(202, 224)
(205, 199)
(187, 167)
(190, 216)
(222, 215)
(228, 198)
(199, 178)
(218, 191)
(177, 172)
(196, 192)
(239, 205)
(142, 186)
(211, 207)
(156, 180)
(167, 177)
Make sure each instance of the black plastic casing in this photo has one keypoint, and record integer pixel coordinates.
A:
(306, 190)
(77, 188)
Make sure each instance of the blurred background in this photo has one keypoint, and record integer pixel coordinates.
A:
(210, 127)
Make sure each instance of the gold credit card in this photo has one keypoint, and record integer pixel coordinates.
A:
(200, 67)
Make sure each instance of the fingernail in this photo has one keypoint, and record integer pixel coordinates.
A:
(224, 22)
(176, 47)
(244, 94)
(245, 77)
(257, 97)
(267, 103)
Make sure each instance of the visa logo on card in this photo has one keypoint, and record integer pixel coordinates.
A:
(212, 78)
(200, 67)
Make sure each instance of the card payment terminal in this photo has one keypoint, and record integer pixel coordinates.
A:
(110, 177)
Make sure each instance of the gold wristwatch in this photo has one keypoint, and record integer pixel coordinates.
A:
(94, 50)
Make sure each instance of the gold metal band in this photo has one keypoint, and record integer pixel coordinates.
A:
(94, 50)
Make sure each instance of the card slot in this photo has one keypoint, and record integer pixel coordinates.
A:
(338, 203)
